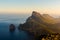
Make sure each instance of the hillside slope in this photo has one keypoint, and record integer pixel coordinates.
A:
(39, 23)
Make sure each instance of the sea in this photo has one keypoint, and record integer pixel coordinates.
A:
(16, 19)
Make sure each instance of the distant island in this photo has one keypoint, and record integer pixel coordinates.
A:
(12, 28)
(42, 26)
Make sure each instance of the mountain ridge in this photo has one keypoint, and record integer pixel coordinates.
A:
(39, 22)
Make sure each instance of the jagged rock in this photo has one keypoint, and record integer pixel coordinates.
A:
(12, 27)
(40, 25)
(35, 24)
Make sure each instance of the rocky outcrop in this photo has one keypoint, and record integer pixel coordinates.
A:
(38, 25)
(45, 18)
(12, 27)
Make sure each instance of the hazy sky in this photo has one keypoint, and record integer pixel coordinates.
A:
(27, 6)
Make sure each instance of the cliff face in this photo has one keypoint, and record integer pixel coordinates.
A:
(41, 24)
(45, 18)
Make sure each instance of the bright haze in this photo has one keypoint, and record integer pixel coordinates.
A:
(51, 7)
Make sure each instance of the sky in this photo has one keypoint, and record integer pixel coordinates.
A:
(27, 6)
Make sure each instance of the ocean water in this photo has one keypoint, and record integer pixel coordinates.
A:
(16, 19)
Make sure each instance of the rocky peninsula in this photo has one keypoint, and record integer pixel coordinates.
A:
(41, 26)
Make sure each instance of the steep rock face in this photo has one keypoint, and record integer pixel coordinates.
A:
(45, 19)
(40, 24)
(36, 24)
(35, 16)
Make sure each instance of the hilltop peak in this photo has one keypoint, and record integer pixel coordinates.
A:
(35, 13)
(46, 15)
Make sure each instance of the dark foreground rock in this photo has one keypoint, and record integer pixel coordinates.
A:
(12, 27)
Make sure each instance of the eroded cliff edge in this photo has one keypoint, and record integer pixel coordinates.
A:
(40, 24)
